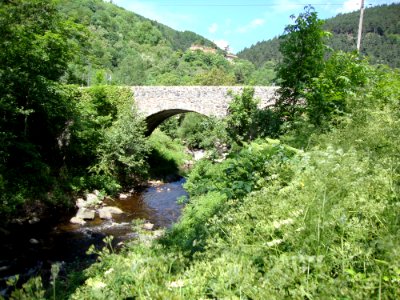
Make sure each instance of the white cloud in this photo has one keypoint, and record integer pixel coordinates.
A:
(257, 22)
(221, 43)
(213, 28)
(253, 24)
(349, 6)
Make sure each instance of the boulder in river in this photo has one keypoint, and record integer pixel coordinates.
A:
(106, 212)
(76, 220)
(34, 220)
(80, 202)
(123, 196)
(92, 200)
(85, 214)
(34, 241)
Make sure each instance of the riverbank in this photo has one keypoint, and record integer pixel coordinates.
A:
(31, 249)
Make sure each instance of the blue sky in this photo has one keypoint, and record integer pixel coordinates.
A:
(238, 23)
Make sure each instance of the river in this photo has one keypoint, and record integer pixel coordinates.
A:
(30, 250)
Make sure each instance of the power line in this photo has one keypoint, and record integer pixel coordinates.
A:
(248, 5)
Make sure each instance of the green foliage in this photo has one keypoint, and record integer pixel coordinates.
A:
(264, 75)
(123, 151)
(30, 290)
(380, 39)
(343, 75)
(214, 77)
(262, 52)
(108, 140)
(128, 49)
(196, 131)
(200, 132)
(245, 122)
(36, 46)
(248, 170)
(189, 234)
(240, 119)
(274, 222)
(379, 36)
(303, 51)
(167, 156)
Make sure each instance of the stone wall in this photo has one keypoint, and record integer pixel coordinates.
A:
(158, 103)
(206, 100)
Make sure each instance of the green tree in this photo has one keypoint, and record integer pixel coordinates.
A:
(214, 77)
(35, 48)
(303, 50)
(344, 74)
(241, 116)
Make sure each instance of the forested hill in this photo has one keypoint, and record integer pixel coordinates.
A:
(125, 48)
(118, 21)
(381, 37)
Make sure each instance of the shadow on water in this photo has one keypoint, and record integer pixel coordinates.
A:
(31, 249)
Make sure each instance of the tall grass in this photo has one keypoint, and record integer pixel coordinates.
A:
(274, 224)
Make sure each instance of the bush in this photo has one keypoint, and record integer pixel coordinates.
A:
(107, 138)
(248, 170)
(166, 157)
(344, 74)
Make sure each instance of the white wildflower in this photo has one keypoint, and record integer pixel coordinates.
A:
(176, 284)
(278, 224)
(95, 283)
(274, 242)
(109, 271)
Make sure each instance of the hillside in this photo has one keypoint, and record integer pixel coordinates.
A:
(125, 48)
(381, 37)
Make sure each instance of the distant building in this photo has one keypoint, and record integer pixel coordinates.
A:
(228, 56)
(231, 57)
(203, 48)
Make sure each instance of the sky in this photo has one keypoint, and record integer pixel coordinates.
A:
(237, 23)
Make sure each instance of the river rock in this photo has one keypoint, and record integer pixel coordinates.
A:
(199, 154)
(123, 196)
(106, 212)
(85, 214)
(76, 220)
(34, 220)
(34, 241)
(148, 226)
(92, 200)
(80, 203)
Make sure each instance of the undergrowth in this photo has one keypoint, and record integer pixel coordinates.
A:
(273, 222)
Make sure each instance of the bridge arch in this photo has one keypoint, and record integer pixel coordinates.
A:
(154, 120)
(157, 103)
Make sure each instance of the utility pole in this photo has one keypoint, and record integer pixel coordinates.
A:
(360, 26)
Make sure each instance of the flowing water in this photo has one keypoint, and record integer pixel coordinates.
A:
(31, 249)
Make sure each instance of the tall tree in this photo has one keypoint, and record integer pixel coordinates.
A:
(303, 50)
(35, 47)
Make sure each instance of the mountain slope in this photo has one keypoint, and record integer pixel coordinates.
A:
(380, 42)
(126, 48)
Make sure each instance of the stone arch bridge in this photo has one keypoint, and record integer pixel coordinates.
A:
(158, 103)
